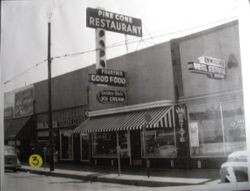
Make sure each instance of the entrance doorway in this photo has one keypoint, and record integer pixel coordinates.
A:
(135, 137)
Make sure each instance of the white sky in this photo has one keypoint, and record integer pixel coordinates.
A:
(24, 31)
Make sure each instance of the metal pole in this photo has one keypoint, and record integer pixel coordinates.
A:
(223, 129)
(126, 42)
(1, 111)
(144, 148)
(118, 154)
(51, 138)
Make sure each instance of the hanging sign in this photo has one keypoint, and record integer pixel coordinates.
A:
(212, 67)
(111, 96)
(98, 18)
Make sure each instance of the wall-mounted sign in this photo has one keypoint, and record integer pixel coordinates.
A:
(108, 77)
(8, 112)
(98, 18)
(212, 67)
(110, 72)
(194, 134)
(24, 102)
(111, 96)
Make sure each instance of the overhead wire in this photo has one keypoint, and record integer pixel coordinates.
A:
(118, 44)
(23, 72)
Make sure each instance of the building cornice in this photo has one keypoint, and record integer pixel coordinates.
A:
(211, 96)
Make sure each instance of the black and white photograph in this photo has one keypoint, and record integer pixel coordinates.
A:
(124, 95)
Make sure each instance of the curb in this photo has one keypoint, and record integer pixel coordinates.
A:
(100, 178)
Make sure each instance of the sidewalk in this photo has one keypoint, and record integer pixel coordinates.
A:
(158, 177)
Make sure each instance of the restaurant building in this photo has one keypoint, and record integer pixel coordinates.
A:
(178, 105)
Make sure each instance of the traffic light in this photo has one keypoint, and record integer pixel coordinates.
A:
(100, 49)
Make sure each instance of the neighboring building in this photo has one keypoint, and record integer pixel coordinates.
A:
(19, 121)
(181, 106)
(214, 98)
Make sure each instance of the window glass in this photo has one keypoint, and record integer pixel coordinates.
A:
(84, 146)
(66, 145)
(123, 143)
(234, 126)
(159, 143)
(205, 127)
(104, 144)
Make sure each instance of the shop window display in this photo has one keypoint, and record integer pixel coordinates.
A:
(84, 147)
(123, 143)
(234, 123)
(211, 129)
(159, 143)
(66, 139)
(104, 144)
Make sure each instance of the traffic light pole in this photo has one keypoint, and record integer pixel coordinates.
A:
(51, 138)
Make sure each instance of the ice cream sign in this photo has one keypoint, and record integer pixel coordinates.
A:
(111, 96)
(209, 66)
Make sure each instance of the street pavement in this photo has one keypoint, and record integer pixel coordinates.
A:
(21, 181)
(26, 181)
(158, 178)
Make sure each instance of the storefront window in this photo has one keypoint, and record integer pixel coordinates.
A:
(123, 142)
(216, 129)
(84, 147)
(159, 143)
(104, 144)
(66, 140)
(234, 126)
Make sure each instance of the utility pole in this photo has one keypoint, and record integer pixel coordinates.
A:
(51, 135)
(1, 111)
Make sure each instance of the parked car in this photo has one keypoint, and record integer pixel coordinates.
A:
(11, 160)
(235, 168)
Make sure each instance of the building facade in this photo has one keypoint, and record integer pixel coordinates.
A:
(180, 106)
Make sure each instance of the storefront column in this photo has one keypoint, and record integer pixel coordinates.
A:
(129, 149)
(223, 130)
(118, 154)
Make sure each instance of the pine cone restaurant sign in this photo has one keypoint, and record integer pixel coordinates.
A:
(98, 18)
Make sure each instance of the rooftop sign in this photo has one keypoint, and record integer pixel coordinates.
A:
(98, 18)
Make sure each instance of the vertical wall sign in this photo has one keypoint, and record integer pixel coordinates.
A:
(182, 137)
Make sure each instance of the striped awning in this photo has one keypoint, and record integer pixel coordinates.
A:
(162, 117)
